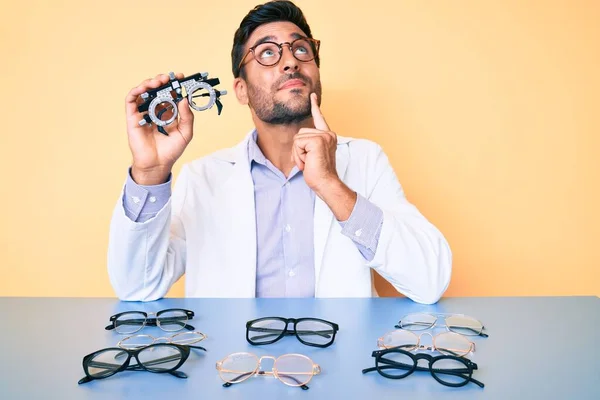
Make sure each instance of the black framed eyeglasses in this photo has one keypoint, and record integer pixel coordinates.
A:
(269, 53)
(448, 370)
(156, 358)
(309, 331)
(169, 320)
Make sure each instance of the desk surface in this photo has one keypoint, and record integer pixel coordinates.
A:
(538, 348)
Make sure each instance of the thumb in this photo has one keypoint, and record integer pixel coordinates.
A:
(318, 118)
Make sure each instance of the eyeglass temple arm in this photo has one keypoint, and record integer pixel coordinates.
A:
(227, 384)
(177, 374)
(173, 320)
(276, 332)
(477, 331)
(455, 372)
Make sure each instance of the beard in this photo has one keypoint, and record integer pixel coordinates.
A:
(295, 109)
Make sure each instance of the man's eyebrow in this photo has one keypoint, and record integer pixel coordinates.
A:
(297, 36)
(272, 38)
(269, 38)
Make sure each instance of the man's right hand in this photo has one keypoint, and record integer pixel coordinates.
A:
(154, 154)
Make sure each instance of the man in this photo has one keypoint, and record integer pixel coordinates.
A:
(292, 211)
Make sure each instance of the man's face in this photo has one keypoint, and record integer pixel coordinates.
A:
(280, 94)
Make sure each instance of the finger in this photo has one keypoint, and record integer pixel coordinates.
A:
(318, 118)
(304, 131)
(297, 159)
(133, 95)
(186, 120)
(131, 99)
(162, 78)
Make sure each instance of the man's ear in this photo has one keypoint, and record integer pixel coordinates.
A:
(241, 90)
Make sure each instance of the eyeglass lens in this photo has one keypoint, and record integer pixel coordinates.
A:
(446, 343)
(133, 321)
(156, 359)
(268, 53)
(309, 330)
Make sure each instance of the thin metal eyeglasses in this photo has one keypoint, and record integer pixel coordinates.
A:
(448, 343)
(156, 358)
(450, 371)
(269, 53)
(183, 338)
(291, 369)
(458, 323)
(169, 320)
(309, 331)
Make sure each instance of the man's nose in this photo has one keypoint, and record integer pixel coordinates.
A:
(288, 61)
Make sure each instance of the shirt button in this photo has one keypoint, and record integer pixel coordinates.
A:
(292, 273)
(152, 199)
(358, 233)
(287, 184)
(288, 228)
(135, 199)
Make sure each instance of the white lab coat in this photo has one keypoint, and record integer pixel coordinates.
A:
(207, 230)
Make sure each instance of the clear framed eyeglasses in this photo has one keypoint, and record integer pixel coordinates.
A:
(458, 323)
(448, 343)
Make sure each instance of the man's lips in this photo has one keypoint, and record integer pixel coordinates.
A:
(292, 83)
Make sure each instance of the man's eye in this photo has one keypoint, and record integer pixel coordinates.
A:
(301, 50)
(267, 54)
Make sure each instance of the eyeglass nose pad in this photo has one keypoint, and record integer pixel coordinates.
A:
(422, 346)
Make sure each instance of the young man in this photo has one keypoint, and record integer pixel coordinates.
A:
(292, 211)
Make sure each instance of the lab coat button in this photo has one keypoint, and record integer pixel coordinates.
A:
(358, 233)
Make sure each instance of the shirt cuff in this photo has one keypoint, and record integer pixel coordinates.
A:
(364, 226)
(142, 202)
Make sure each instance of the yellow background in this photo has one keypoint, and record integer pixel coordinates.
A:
(488, 110)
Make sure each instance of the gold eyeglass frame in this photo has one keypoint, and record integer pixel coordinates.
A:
(316, 369)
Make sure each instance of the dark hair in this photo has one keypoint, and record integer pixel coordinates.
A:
(273, 11)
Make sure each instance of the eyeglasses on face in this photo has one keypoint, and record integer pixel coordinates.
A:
(291, 369)
(156, 358)
(169, 320)
(448, 370)
(309, 331)
(458, 323)
(448, 343)
(269, 53)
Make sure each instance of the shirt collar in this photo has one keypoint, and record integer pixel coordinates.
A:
(254, 152)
